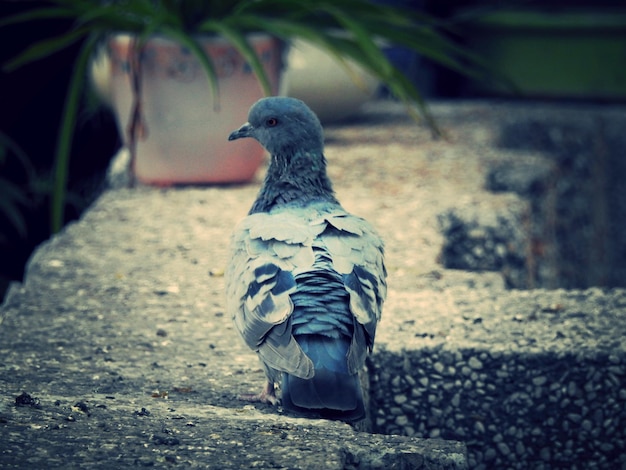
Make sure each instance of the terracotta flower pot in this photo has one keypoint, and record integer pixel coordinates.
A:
(186, 138)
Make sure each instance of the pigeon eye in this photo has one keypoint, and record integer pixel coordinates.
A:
(271, 122)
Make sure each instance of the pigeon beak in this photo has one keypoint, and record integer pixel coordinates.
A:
(243, 131)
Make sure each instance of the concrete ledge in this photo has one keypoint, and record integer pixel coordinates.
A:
(119, 338)
(116, 353)
(101, 432)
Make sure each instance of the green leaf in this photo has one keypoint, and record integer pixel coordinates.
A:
(288, 30)
(196, 49)
(6, 143)
(11, 197)
(239, 42)
(46, 48)
(38, 14)
(363, 38)
(68, 123)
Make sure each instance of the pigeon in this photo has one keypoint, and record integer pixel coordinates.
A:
(306, 280)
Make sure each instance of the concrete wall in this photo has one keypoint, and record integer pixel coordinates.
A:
(531, 379)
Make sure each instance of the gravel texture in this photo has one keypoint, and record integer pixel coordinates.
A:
(119, 340)
(527, 379)
(489, 237)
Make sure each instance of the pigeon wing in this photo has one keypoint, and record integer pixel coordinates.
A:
(267, 252)
(358, 255)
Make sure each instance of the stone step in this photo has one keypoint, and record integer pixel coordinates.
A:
(527, 379)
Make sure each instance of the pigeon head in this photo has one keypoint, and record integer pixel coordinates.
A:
(293, 135)
(283, 126)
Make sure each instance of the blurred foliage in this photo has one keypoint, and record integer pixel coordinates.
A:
(363, 26)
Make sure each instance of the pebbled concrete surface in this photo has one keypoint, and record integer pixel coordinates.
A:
(118, 335)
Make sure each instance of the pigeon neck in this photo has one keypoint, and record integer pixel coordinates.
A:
(298, 179)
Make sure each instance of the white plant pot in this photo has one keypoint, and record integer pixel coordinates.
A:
(320, 80)
(187, 132)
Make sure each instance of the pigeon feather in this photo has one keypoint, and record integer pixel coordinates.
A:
(306, 280)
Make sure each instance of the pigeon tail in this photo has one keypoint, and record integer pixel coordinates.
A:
(333, 391)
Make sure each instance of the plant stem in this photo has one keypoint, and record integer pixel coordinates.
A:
(136, 126)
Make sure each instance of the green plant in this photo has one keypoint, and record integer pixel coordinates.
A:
(14, 198)
(347, 29)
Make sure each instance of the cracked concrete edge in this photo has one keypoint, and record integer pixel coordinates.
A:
(97, 434)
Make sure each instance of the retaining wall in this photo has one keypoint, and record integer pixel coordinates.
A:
(527, 379)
